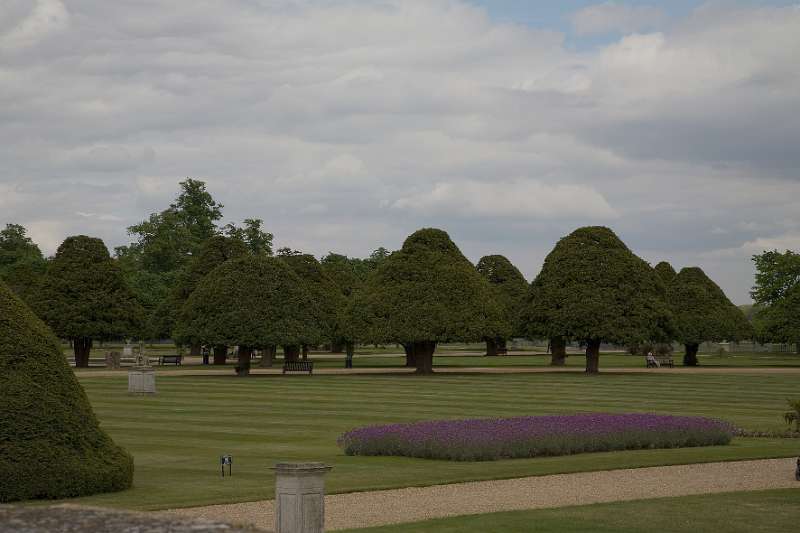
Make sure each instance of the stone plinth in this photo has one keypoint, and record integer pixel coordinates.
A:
(142, 380)
(300, 497)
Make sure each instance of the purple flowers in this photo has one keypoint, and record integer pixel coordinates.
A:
(534, 436)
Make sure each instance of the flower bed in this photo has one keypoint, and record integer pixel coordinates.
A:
(534, 436)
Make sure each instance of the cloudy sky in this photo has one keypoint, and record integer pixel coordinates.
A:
(346, 125)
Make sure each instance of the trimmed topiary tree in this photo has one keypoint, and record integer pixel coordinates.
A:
(426, 293)
(329, 302)
(665, 272)
(84, 297)
(593, 288)
(213, 252)
(51, 445)
(250, 302)
(703, 313)
(509, 289)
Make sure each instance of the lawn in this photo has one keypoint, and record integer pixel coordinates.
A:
(746, 512)
(177, 436)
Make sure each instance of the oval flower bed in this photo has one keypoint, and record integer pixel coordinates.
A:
(534, 436)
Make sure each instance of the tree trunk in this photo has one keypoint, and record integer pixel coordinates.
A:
(243, 366)
(291, 353)
(220, 354)
(593, 356)
(491, 347)
(423, 354)
(81, 347)
(797, 348)
(305, 351)
(411, 359)
(690, 357)
(559, 351)
(337, 347)
(350, 348)
(268, 356)
(502, 347)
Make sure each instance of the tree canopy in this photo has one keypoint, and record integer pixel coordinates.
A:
(703, 313)
(328, 299)
(22, 265)
(84, 296)
(51, 445)
(425, 293)
(508, 289)
(665, 272)
(594, 289)
(251, 302)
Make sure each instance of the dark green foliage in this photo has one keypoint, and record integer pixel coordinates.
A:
(22, 265)
(212, 253)
(594, 289)
(347, 273)
(776, 274)
(425, 293)
(258, 242)
(166, 242)
(51, 445)
(701, 310)
(665, 272)
(252, 302)
(328, 300)
(780, 322)
(508, 289)
(84, 294)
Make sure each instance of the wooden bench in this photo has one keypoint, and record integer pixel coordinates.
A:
(662, 360)
(298, 366)
(170, 360)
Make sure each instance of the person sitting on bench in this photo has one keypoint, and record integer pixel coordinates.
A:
(652, 361)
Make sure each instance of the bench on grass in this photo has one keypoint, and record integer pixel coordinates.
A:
(298, 366)
(170, 360)
(659, 361)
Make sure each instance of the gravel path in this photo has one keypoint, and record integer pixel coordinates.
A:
(364, 509)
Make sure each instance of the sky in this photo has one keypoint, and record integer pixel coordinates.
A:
(347, 125)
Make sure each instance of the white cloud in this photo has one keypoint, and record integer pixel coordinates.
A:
(319, 116)
(45, 18)
(612, 17)
(522, 198)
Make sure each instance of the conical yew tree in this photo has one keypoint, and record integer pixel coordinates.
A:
(665, 272)
(508, 288)
(703, 313)
(594, 289)
(51, 444)
(426, 293)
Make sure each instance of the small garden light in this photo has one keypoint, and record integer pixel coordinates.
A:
(225, 460)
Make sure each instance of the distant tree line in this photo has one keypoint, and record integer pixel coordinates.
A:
(184, 277)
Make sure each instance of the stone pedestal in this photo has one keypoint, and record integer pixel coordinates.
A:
(300, 497)
(142, 380)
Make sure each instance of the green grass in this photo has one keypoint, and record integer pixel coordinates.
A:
(177, 436)
(746, 512)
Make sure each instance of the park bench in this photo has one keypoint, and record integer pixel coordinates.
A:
(169, 360)
(298, 366)
(662, 360)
